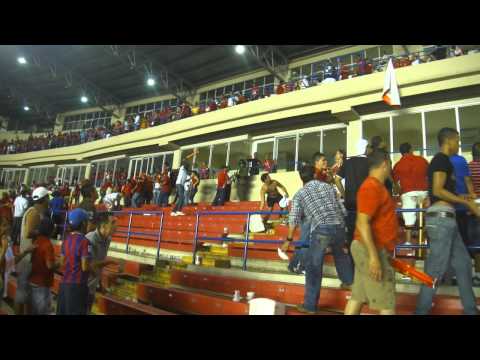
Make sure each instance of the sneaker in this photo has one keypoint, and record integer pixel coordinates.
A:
(476, 281)
(173, 213)
(179, 213)
(305, 311)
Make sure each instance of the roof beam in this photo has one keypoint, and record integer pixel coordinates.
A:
(271, 58)
(61, 72)
(147, 66)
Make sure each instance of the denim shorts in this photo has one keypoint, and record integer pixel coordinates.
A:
(24, 290)
(41, 300)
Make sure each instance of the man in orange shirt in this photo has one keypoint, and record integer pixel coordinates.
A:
(222, 180)
(374, 239)
(410, 174)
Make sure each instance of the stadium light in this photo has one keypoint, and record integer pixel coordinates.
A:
(26, 108)
(84, 99)
(22, 60)
(240, 49)
(150, 82)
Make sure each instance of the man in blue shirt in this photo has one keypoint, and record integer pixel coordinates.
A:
(464, 188)
(57, 211)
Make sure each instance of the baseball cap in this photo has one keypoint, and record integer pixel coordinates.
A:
(39, 193)
(77, 216)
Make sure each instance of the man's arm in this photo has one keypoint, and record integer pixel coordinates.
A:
(470, 188)
(31, 225)
(338, 182)
(365, 230)
(439, 191)
(262, 197)
(283, 188)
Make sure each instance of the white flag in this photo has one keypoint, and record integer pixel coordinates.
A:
(391, 94)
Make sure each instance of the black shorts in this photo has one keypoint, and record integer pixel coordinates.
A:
(72, 299)
(271, 201)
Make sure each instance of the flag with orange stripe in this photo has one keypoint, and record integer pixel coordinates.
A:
(391, 94)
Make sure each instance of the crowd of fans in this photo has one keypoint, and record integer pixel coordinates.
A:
(332, 71)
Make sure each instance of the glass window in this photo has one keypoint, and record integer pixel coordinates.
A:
(286, 148)
(295, 73)
(248, 84)
(157, 163)
(100, 173)
(434, 121)
(345, 59)
(269, 79)
(386, 50)
(260, 81)
(378, 127)
(308, 145)
(219, 92)
(265, 151)
(52, 172)
(332, 141)
(228, 89)
(407, 128)
(168, 160)
(238, 150)
(219, 156)
(238, 87)
(469, 127)
(211, 95)
(121, 170)
(202, 156)
(203, 96)
(307, 70)
(372, 53)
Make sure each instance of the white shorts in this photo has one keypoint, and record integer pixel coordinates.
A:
(412, 200)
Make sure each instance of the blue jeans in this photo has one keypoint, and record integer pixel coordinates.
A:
(447, 250)
(219, 197)
(297, 264)
(180, 198)
(193, 192)
(137, 200)
(324, 236)
(164, 198)
(156, 197)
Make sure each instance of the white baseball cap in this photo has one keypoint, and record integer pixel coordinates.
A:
(39, 193)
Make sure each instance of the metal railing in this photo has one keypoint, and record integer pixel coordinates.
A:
(246, 238)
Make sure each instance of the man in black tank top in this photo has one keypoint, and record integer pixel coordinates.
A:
(445, 242)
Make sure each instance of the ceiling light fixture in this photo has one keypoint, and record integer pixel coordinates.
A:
(84, 99)
(150, 82)
(240, 49)
(22, 60)
(26, 108)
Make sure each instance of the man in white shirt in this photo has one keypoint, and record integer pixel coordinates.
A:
(180, 187)
(19, 207)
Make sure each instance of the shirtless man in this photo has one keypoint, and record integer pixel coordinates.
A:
(270, 187)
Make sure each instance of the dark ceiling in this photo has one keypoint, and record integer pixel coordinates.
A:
(197, 64)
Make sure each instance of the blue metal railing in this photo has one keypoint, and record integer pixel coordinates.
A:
(246, 240)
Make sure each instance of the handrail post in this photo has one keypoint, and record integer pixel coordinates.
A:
(421, 252)
(160, 232)
(64, 225)
(245, 248)
(195, 238)
(128, 231)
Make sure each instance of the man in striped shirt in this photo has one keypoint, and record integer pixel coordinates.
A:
(75, 257)
(474, 233)
(317, 201)
(474, 166)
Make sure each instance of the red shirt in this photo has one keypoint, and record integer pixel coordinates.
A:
(222, 179)
(374, 200)
(411, 172)
(41, 275)
(475, 172)
(165, 182)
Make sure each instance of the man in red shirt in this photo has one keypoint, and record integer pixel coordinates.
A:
(43, 267)
(166, 188)
(281, 88)
(410, 174)
(374, 239)
(222, 179)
